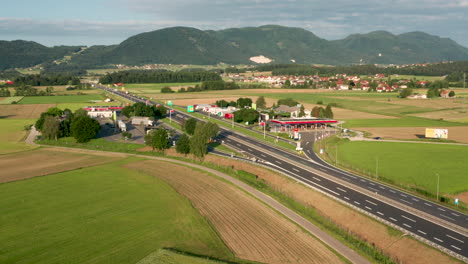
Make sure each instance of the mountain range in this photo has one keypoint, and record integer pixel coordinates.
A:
(185, 45)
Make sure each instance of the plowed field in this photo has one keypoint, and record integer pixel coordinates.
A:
(18, 111)
(250, 229)
(24, 165)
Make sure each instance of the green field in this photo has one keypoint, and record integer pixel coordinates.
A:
(60, 99)
(406, 121)
(9, 100)
(153, 87)
(163, 256)
(410, 164)
(102, 214)
(12, 135)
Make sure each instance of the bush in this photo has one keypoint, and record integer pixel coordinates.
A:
(167, 90)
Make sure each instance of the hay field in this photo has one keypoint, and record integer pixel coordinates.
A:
(249, 228)
(19, 111)
(454, 115)
(100, 214)
(61, 99)
(459, 134)
(40, 162)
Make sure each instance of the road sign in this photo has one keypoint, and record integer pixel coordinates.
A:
(169, 103)
(456, 201)
(321, 151)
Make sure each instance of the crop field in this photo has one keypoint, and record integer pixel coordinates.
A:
(12, 134)
(456, 133)
(249, 228)
(163, 256)
(411, 164)
(19, 111)
(24, 165)
(407, 121)
(61, 99)
(9, 100)
(100, 214)
(155, 87)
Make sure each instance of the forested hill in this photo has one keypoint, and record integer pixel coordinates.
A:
(21, 54)
(184, 45)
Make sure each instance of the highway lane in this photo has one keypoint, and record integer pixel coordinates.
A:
(439, 235)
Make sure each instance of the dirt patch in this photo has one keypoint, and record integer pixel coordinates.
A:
(403, 249)
(459, 134)
(249, 228)
(24, 165)
(29, 111)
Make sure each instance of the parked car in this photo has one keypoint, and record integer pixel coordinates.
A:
(377, 138)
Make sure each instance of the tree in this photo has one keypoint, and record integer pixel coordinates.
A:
(288, 102)
(243, 102)
(406, 92)
(261, 103)
(451, 94)
(210, 130)
(127, 111)
(127, 135)
(301, 111)
(51, 127)
(80, 113)
(183, 144)
(160, 139)
(84, 128)
(287, 83)
(198, 142)
(160, 111)
(328, 111)
(190, 125)
(315, 111)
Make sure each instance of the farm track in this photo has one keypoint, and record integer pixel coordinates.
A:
(252, 230)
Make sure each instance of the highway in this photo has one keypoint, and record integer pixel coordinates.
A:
(377, 200)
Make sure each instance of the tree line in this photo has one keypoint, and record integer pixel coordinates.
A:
(46, 79)
(205, 86)
(141, 109)
(152, 76)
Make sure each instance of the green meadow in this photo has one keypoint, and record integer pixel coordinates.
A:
(101, 214)
(12, 135)
(59, 99)
(409, 164)
(153, 87)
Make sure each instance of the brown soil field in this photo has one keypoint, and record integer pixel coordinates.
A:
(440, 103)
(402, 249)
(19, 111)
(457, 114)
(24, 165)
(249, 228)
(459, 134)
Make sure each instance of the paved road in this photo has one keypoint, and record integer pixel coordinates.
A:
(362, 194)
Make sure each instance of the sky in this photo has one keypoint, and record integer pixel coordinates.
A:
(105, 22)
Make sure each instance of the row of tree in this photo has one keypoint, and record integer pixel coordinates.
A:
(46, 79)
(194, 141)
(56, 123)
(205, 86)
(152, 76)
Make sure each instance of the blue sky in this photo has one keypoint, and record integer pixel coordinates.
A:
(98, 22)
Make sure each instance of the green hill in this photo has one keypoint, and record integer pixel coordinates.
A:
(21, 54)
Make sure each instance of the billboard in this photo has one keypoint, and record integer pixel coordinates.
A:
(436, 133)
(190, 109)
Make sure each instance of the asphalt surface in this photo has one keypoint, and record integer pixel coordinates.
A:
(369, 197)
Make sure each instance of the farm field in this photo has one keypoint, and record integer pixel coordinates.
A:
(100, 214)
(249, 228)
(459, 134)
(163, 256)
(29, 164)
(61, 99)
(411, 164)
(9, 100)
(12, 134)
(155, 87)
(19, 111)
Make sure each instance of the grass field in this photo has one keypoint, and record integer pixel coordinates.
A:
(413, 164)
(9, 100)
(406, 121)
(164, 256)
(12, 134)
(61, 99)
(154, 87)
(102, 214)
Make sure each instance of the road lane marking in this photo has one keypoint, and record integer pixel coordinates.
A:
(392, 191)
(346, 198)
(263, 155)
(412, 220)
(356, 202)
(393, 219)
(447, 217)
(438, 239)
(406, 201)
(249, 149)
(295, 169)
(442, 209)
(428, 204)
(414, 199)
(461, 241)
(408, 226)
(455, 247)
(375, 190)
(455, 214)
(278, 162)
(424, 233)
(371, 202)
(317, 179)
(341, 189)
(380, 213)
(403, 195)
(368, 207)
(238, 144)
(381, 187)
(371, 183)
(362, 180)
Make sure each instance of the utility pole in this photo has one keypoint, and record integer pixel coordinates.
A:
(232, 120)
(437, 195)
(264, 130)
(336, 156)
